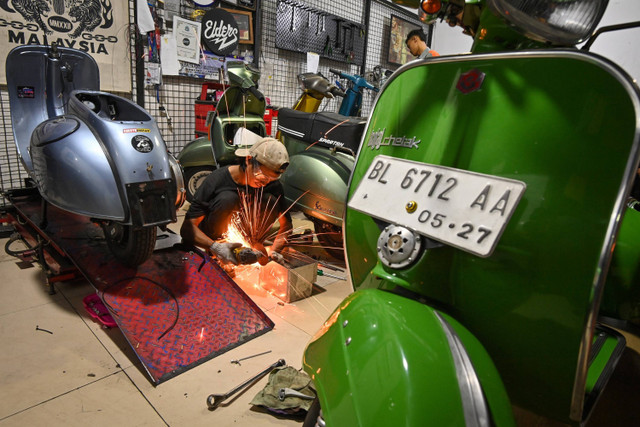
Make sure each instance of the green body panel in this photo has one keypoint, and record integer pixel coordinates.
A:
(566, 126)
(611, 348)
(394, 356)
(200, 151)
(621, 299)
(224, 129)
(317, 181)
(235, 102)
(235, 109)
(197, 153)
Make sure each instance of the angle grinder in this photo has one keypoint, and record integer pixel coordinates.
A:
(246, 256)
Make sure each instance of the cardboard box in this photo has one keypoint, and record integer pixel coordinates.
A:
(293, 282)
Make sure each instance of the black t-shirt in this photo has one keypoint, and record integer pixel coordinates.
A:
(220, 181)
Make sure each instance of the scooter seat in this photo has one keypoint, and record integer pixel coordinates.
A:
(324, 129)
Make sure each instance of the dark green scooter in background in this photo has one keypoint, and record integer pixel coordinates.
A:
(242, 105)
(486, 213)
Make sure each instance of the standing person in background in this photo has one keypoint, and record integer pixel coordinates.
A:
(417, 44)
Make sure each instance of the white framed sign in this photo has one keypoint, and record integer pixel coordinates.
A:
(187, 35)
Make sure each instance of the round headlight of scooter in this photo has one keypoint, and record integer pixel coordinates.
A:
(560, 22)
(398, 247)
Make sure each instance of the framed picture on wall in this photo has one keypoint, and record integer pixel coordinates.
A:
(245, 25)
(398, 52)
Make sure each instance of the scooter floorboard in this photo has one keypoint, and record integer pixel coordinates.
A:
(176, 310)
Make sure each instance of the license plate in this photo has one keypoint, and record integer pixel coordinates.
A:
(464, 209)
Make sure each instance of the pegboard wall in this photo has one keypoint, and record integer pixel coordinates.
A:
(172, 102)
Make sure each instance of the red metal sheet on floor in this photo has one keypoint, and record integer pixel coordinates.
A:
(177, 310)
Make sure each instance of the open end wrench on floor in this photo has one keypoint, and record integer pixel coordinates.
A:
(214, 400)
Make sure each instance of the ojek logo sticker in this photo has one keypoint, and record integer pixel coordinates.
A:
(219, 31)
(142, 143)
(377, 140)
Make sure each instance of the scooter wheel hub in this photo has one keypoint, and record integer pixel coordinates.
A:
(398, 247)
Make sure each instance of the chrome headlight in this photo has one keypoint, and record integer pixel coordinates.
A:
(561, 22)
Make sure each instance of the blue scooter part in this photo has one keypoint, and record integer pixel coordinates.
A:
(352, 102)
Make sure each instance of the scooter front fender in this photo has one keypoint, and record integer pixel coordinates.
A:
(382, 359)
(197, 153)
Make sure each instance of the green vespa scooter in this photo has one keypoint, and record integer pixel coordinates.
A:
(241, 105)
(486, 211)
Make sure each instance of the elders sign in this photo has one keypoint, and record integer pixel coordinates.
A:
(219, 31)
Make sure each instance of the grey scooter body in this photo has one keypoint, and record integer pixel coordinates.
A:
(89, 152)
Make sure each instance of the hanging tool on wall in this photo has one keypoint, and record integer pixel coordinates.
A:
(327, 50)
(338, 31)
(163, 111)
(293, 18)
(350, 51)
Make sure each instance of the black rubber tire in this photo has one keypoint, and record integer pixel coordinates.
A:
(311, 419)
(193, 178)
(130, 245)
(330, 237)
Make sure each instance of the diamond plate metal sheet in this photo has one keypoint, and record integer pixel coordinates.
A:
(177, 310)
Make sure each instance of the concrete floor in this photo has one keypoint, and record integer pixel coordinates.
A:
(80, 374)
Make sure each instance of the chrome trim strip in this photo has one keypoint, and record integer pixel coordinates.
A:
(577, 400)
(474, 404)
(291, 131)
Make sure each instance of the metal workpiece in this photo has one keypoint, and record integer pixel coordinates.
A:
(283, 393)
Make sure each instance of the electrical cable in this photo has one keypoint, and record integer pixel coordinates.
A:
(18, 254)
(164, 288)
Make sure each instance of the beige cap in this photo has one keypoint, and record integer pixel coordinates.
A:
(269, 152)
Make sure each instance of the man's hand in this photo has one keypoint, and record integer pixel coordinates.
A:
(225, 252)
(277, 257)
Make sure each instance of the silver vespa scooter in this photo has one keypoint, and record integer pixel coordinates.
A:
(89, 152)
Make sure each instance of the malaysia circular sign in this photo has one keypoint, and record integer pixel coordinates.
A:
(142, 143)
(219, 31)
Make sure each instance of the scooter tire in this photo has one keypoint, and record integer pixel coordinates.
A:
(193, 178)
(311, 420)
(130, 245)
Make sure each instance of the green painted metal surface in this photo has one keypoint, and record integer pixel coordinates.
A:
(317, 182)
(566, 127)
(223, 131)
(621, 299)
(394, 356)
(197, 153)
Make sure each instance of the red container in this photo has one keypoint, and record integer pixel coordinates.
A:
(96, 309)
(269, 114)
(207, 101)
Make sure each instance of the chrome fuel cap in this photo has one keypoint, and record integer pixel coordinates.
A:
(398, 246)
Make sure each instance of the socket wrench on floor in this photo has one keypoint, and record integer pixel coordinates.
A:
(290, 392)
(214, 400)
